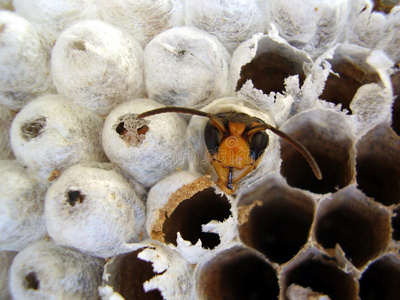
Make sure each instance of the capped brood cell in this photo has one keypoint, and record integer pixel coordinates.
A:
(94, 210)
(378, 167)
(275, 219)
(236, 273)
(358, 225)
(146, 149)
(51, 133)
(6, 258)
(329, 137)
(186, 66)
(321, 274)
(153, 271)
(186, 211)
(97, 65)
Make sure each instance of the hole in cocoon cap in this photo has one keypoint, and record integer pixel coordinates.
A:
(131, 130)
(31, 281)
(75, 197)
(33, 129)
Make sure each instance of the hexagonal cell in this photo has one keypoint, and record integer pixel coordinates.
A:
(361, 228)
(351, 71)
(272, 63)
(378, 165)
(328, 137)
(275, 219)
(381, 280)
(237, 273)
(318, 273)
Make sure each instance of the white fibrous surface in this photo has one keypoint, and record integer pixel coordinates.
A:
(24, 62)
(389, 40)
(51, 133)
(143, 19)
(146, 149)
(21, 207)
(186, 66)
(6, 117)
(232, 22)
(94, 210)
(6, 258)
(54, 16)
(313, 26)
(97, 65)
(45, 270)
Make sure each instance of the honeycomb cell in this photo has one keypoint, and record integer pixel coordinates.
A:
(321, 274)
(361, 228)
(378, 165)
(350, 73)
(189, 215)
(382, 279)
(237, 273)
(327, 135)
(275, 220)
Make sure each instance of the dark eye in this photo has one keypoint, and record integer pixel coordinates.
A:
(212, 138)
(258, 143)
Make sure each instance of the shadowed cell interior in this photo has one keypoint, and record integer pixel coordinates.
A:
(191, 214)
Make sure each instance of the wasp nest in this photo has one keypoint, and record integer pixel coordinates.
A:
(108, 193)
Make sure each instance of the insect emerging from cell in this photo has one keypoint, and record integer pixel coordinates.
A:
(236, 143)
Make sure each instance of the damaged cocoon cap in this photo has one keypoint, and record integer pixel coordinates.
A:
(21, 207)
(94, 210)
(47, 271)
(6, 117)
(51, 133)
(154, 271)
(146, 149)
(186, 211)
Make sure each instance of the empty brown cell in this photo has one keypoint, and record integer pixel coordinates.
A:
(384, 5)
(326, 138)
(189, 216)
(381, 280)
(378, 165)
(268, 71)
(360, 226)
(237, 273)
(341, 87)
(321, 274)
(276, 220)
(396, 105)
(128, 273)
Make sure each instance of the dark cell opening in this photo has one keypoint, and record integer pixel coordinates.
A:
(268, 72)
(238, 273)
(396, 105)
(334, 157)
(378, 165)
(341, 89)
(192, 213)
(280, 226)
(31, 281)
(384, 5)
(130, 275)
(361, 230)
(381, 280)
(396, 224)
(33, 129)
(75, 197)
(322, 276)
